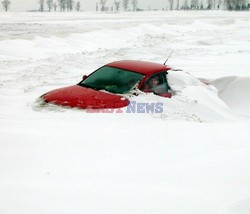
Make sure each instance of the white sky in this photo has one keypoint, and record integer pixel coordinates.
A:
(23, 5)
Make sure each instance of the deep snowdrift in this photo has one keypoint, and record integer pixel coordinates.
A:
(234, 91)
(204, 98)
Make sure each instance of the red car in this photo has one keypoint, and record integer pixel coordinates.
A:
(108, 86)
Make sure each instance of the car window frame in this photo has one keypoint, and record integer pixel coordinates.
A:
(164, 76)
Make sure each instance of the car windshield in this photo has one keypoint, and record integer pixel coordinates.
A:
(114, 80)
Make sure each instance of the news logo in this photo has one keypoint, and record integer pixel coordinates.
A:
(133, 108)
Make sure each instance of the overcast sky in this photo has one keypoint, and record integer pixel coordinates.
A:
(23, 5)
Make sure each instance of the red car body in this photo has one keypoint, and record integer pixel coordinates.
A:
(83, 97)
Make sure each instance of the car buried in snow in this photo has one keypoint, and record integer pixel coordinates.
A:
(110, 85)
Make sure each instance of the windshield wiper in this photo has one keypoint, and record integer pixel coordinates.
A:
(89, 86)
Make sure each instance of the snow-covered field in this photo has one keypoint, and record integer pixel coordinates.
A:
(192, 158)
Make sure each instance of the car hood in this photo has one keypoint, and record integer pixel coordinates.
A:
(82, 97)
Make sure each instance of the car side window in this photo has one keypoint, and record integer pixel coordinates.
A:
(157, 84)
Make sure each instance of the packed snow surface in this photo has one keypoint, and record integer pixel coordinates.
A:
(193, 157)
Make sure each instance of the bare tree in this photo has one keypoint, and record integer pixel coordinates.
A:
(231, 4)
(225, 4)
(201, 5)
(186, 6)
(103, 2)
(78, 6)
(177, 4)
(62, 5)
(171, 4)
(194, 4)
(219, 4)
(6, 5)
(41, 5)
(69, 5)
(55, 6)
(134, 4)
(96, 7)
(49, 4)
(240, 4)
(209, 4)
(125, 4)
(117, 5)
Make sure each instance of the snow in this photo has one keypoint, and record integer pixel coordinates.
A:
(191, 158)
(234, 92)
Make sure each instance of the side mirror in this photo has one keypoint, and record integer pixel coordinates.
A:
(84, 77)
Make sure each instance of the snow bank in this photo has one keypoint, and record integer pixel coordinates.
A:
(86, 42)
(179, 80)
(203, 98)
(222, 98)
(235, 92)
